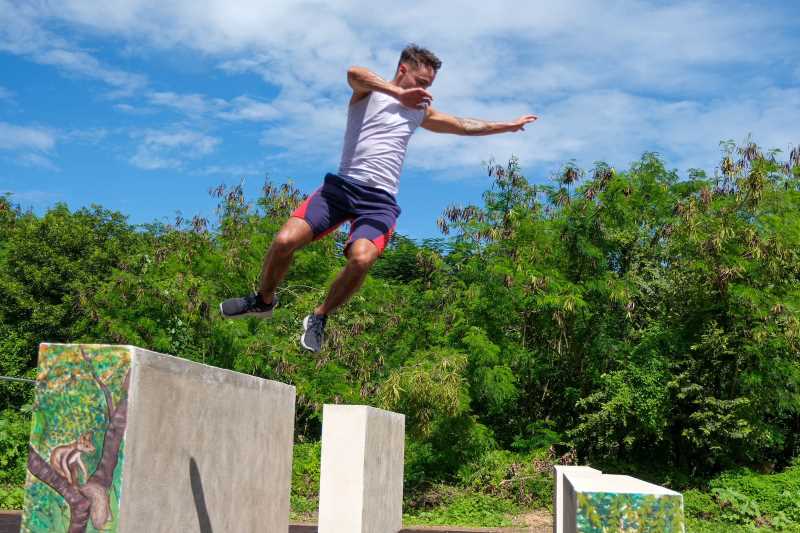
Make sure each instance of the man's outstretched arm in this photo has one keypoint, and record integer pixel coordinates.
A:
(439, 122)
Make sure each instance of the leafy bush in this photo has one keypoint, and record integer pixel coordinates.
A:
(459, 508)
(12, 497)
(747, 496)
(747, 499)
(644, 318)
(522, 478)
(15, 431)
(305, 479)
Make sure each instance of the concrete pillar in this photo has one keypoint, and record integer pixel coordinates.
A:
(619, 503)
(169, 445)
(361, 471)
(559, 490)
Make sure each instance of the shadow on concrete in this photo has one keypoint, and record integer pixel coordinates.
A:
(199, 497)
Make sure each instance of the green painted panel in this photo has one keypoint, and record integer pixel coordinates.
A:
(606, 512)
(73, 425)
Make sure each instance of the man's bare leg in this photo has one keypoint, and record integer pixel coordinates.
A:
(361, 255)
(294, 234)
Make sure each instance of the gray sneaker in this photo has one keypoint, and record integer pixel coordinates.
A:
(313, 332)
(251, 305)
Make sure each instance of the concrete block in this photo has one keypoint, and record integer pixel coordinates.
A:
(559, 490)
(598, 503)
(129, 440)
(361, 471)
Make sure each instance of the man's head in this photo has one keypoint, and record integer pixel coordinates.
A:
(417, 67)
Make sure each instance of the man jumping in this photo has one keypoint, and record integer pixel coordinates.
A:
(380, 120)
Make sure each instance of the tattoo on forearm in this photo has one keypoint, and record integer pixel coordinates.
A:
(473, 126)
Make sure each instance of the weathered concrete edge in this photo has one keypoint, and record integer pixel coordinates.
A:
(220, 375)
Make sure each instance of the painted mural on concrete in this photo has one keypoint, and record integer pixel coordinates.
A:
(605, 512)
(76, 447)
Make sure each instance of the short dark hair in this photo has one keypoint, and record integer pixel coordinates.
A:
(417, 56)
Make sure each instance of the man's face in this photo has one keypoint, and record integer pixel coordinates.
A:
(410, 77)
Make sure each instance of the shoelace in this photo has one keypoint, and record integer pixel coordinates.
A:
(252, 302)
(317, 327)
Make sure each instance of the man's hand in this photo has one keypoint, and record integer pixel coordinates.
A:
(415, 98)
(519, 124)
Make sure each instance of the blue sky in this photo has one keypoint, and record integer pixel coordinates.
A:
(142, 106)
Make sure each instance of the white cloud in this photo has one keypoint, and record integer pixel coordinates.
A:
(32, 159)
(29, 146)
(81, 63)
(134, 110)
(190, 104)
(311, 131)
(241, 108)
(86, 136)
(32, 146)
(238, 171)
(22, 33)
(643, 40)
(618, 127)
(14, 137)
(610, 80)
(246, 108)
(171, 149)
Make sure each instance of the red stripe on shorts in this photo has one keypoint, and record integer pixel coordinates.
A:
(300, 212)
(383, 240)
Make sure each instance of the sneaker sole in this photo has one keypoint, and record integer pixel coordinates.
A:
(302, 343)
(265, 314)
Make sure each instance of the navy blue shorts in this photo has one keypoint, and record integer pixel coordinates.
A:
(372, 212)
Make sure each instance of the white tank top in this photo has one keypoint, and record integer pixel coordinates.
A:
(375, 142)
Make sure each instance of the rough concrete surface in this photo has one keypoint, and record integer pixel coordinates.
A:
(206, 449)
(361, 471)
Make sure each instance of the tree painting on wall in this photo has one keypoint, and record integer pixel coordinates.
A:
(76, 447)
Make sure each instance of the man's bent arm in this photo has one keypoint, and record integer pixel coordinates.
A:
(439, 122)
(364, 81)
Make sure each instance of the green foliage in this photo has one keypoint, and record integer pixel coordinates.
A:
(458, 508)
(749, 495)
(15, 429)
(429, 387)
(736, 507)
(701, 505)
(51, 270)
(305, 479)
(700, 526)
(626, 317)
(749, 500)
(630, 409)
(523, 478)
(12, 497)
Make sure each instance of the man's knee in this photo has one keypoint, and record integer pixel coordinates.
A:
(363, 254)
(283, 243)
(286, 242)
(295, 234)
